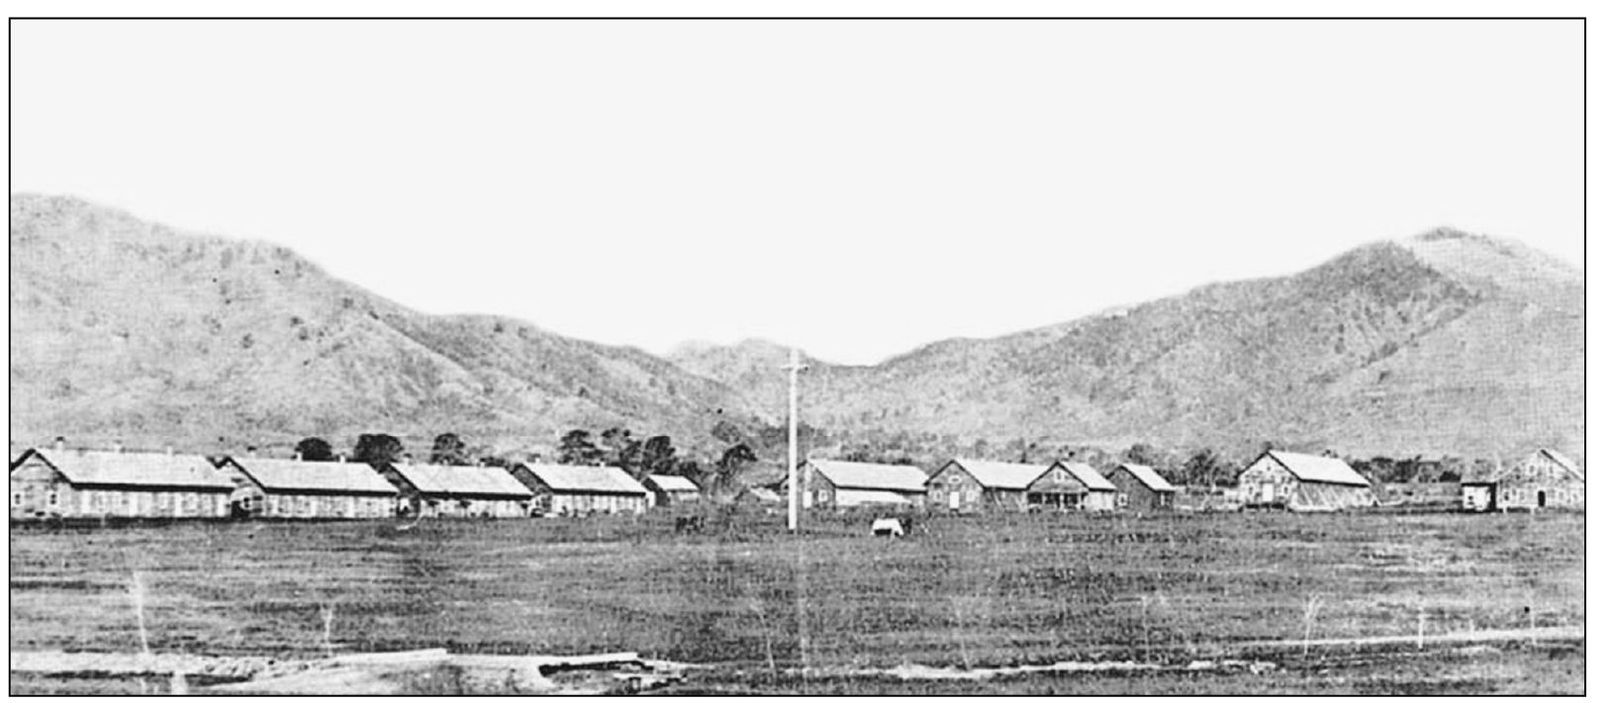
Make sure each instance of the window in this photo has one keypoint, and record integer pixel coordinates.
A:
(1123, 499)
(50, 499)
(954, 479)
(16, 499)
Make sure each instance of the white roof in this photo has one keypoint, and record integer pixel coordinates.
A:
(1088, 475)
(766, 495)
(854, 474)
(1323, 469)
(146, 469)
(1149, 477)
(586, 479)
(284, 475)
(672, 484)
(998, 474)
(865, 497)
(462, 480)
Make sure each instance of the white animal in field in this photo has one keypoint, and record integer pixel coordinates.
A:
(887, 527)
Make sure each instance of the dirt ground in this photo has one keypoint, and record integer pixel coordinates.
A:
(753, 602)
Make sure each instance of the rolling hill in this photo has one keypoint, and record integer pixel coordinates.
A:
(1445, 343)
(124, 329)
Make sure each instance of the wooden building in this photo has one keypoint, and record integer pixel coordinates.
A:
(976, 485)
(847, 484)
(1099, 495)
(282, 488)
(435, 490)
(1302, 482)
(1546, 479)
(582, 490)
(667, 491)
(83, 483)
(1140, 488)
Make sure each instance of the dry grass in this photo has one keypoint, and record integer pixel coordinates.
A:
(973, 591)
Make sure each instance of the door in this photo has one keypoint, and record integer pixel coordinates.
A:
(1540, 499)
(954, 500)
(1268, 492)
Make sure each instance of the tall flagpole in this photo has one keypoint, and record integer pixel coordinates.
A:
(795, 370)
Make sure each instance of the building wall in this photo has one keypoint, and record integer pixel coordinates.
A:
(1136, 496)
(1266, 483)
(1478, 497)
(37, 490)
(1539, 482)
(1058, 489)
(325, 507)
(952, 488)
(592, 503)
(474, 507)
(1099, 502)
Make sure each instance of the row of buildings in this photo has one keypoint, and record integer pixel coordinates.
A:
(82, 483)
(85, 483)
(1545, 479)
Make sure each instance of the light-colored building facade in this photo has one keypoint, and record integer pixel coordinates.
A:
(1546, 479)
(283, 488)
(63, 483)
(561, 489)
(829, 485)
(1302, 483)
(437, 490)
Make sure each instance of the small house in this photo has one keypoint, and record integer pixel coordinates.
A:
(436, 490)
(84, 483)
(1543, 480)
(847, 484)
(666, 490)
(1302, 482)
(1141, 488)
(284, 488)
(582, 490)
(974, 485)
(1098, 494)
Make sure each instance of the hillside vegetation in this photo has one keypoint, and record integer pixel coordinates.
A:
(126, 329)
(1446, 343)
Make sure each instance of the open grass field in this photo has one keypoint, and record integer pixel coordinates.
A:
(818, 613)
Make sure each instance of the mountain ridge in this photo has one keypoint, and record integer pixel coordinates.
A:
(123, 328)
(1403, 347)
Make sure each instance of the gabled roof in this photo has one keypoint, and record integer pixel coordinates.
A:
(586, 479)
(1322, 469)
(889, 477)
(1087, 475)
(672, 484)
(1148, 476)
(135, 469)
(462, 480)
(1565, 462)
(999, 474)
(286, 476)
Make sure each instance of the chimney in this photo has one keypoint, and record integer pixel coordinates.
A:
(341, 458)
(117, 446)
(296, 456)
(61, 444)
(169, 449)
(251, 452)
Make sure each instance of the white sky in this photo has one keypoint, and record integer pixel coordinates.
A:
(857, 188)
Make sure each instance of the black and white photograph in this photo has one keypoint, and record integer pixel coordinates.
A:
(799, 356)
